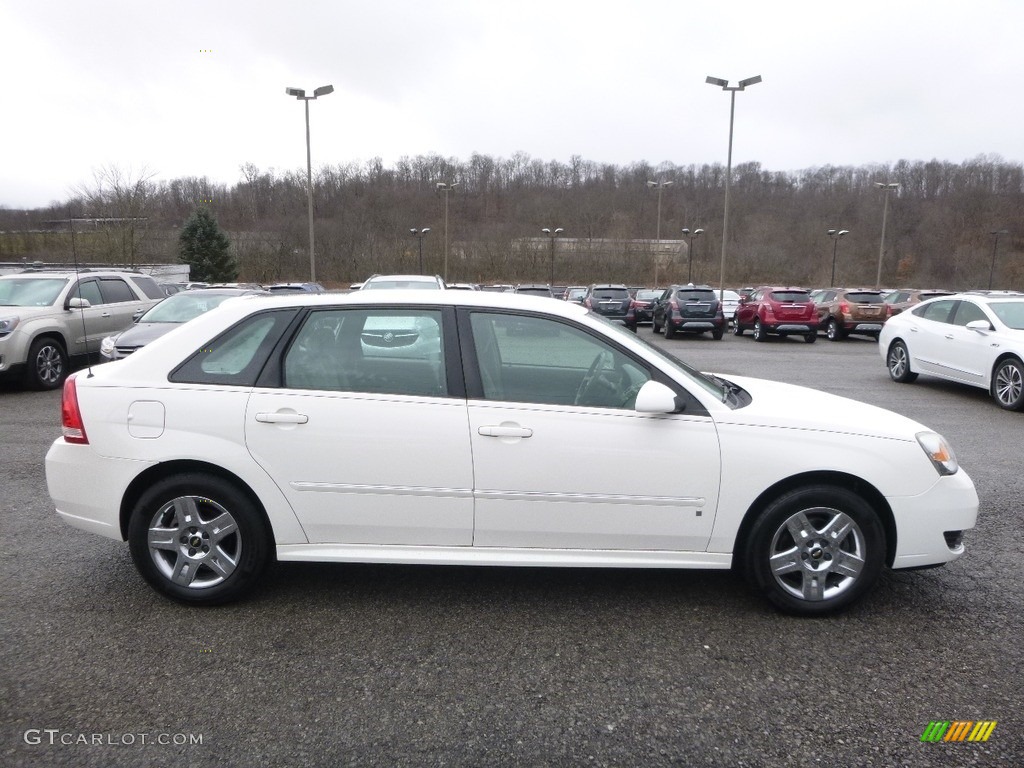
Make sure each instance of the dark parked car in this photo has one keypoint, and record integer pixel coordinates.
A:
(845, 311)
(610, 301)
(688, 309)
(779, 310)
(535, 289)
(641, 308)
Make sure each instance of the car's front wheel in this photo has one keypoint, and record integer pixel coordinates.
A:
(898, 363)
(1008, 384)
(815, 550)
(47, 364)
(759, 332)
(198, 539)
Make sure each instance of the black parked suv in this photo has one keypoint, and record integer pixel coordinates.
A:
(689, 309)
(610, 301)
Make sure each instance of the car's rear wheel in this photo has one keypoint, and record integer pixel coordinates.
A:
(759, 333)
(717, 335)
(47, 364)
(815, 550)
(737, 329)
(811, 337)
(898, 363)
(670, 332)
(198, 539)
(1008, 384)
(834, 331)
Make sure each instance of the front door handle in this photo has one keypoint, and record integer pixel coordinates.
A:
(505, 430)
(282, 418)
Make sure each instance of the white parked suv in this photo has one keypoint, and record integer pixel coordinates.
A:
(50, 320)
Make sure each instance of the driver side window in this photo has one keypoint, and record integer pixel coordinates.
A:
(536, 360)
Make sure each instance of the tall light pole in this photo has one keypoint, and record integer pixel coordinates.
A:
(659, 185)
(419, 234)
(552, 234)
(888, 187)
(446, 187)
(300, 94)
(835, 235)
(995, 244)
(689, 250)
(741, 85)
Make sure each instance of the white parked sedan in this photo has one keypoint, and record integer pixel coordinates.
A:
(973, 338)
(273, 428)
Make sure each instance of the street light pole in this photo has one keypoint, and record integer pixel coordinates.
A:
(741, 85)
(659, 185)
(689, 250)
(419, 234)
(300, 94)
(835, 235)
(995, 244)
(888, 187)
(552, 234)
(446, 187)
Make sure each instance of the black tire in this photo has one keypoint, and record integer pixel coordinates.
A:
(811, 337)
(670, 332)
(1008, 384)
(897, 360)
(759, 332)
(818, 572)
(834, 331)
(737, 329)
(177, 540)
(717, 335)
(655, 328)
(47, 365)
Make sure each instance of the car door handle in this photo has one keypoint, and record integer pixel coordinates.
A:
(282, 418)
(949, 335)
(505, 430)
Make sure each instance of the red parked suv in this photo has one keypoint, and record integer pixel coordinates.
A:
(782, 311)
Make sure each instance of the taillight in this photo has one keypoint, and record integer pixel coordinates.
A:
(587, 304)
(71, 414)
(844, 308)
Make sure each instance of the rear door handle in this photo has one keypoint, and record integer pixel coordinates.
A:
(282, 418)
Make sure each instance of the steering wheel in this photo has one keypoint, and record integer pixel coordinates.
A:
(604, 357)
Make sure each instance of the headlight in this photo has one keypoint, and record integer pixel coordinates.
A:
(107, 348)
(8, 324)
(938, 450)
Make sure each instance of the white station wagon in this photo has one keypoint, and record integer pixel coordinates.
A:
(474, 428)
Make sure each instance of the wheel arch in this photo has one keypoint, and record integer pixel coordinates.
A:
(161, 471)
(825, 477)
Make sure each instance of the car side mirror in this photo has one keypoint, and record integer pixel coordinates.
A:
(137, 315)
(77, 303)
(979, 325)
(655, 397)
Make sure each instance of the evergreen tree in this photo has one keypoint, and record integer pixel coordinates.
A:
(204, 247)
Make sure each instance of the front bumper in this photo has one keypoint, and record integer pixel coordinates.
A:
(923, 522)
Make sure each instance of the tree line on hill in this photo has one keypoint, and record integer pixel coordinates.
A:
(940, 221)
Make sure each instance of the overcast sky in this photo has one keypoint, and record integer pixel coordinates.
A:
(196, 88)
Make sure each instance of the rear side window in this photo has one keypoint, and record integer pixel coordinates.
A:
(796, 297)
(936, 310)
(116, 291)
(237, 355)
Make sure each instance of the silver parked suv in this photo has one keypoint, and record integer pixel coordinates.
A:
(52, 319)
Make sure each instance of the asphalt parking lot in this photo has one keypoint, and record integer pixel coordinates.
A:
(412, 666)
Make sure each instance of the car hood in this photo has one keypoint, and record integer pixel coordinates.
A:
(141, 334)
(774, 404)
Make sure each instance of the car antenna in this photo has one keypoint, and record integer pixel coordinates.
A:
(78, 286)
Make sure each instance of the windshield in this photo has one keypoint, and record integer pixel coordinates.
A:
(647, 295)
(402, 284)
(182, 307)
(1011, 313)
(31, 292)
(714, 386)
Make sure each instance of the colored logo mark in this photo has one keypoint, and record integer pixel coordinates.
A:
(958, 730)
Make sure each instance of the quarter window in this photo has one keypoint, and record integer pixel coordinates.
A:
(937, 310)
